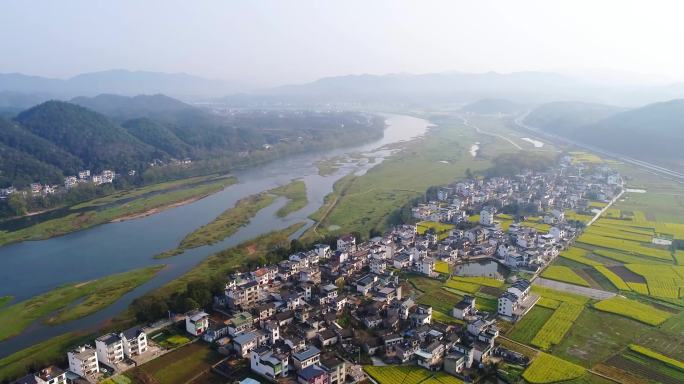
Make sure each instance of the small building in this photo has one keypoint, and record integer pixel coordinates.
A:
(245, 343)
(196, 322)
(268, 364)
(312, 374)
(306, 358)
(49, 375)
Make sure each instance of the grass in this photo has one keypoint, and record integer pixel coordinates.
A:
(147, 204)
(4, 300)
(226, 224)
(232, 219)
(564, 274)
(362, 203)
(657, 356)
(137, 192)
(633, 310)
(90, 297)
(41, 354)
(181, 365)
(525, 329)
(220, 263)
(295, 192)
(327, 167)
(546, 368)
(170, 338)
(462, 286)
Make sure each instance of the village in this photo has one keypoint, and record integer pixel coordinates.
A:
(322, 315)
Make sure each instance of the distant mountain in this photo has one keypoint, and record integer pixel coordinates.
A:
(123, 107)
(121, 82)
(654, 132)
(19, 138)
(158, 135)
(563, 117)
(493, 106)
(90, 136)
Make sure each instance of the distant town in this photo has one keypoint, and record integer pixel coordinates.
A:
(317, 316)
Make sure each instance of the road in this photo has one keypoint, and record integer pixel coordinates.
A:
(478, 130)
(673, 175)
(576, 289)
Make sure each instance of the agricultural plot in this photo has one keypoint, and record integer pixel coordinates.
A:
(182, 364)
(564, 274)
(571, 215)
(657, 356)
(462, 286)
(486, 281)
(408, 375)
(662, 280)
(546, 368)
(442, 267)
(440, 229)
(557, 326)
(525, 329)
(619, 234)
(559, 296)
(613, 278)
(578, 255)
(548, 303)
(627, 246)
(633, 309)
(627, 259)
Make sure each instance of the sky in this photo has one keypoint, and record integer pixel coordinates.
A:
(265, 43)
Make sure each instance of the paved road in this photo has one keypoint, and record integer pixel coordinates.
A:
(576, 289)
(669, 173)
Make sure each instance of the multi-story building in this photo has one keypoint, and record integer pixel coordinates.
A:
(110, 349)
(134, 341)
(83, 361)
(49, 375)
(196, 322)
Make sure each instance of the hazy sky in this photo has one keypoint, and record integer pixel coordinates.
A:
(273, 42)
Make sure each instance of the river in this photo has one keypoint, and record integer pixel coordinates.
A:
(33, 267)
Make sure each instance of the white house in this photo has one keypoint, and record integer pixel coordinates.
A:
(110, 349)
(49, 375)
(268, 364)
(245, 343)
(346, 243)
(83, 361)
(134, 341)
(426, 266)
(486, 217)
(305, 358)
(196, 322)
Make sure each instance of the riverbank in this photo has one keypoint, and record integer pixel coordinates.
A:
(232, 219)
(123, 208)
(71, 302)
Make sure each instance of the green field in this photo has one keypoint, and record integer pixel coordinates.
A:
(4, 300)
(525, 329)
(362, 203)
(442, 267)
(394, 374)
(89, 296)
(657, 356)
(633, 310)
(137, 207)
(440, 229)
(564, 274)
(546, 368)
(169, 338)
(179, 366)
(553, 331)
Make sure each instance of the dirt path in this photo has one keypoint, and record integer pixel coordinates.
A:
(478, 130)
(576, 289)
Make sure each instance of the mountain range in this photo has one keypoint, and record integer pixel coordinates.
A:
(654, 132)
(56, 138)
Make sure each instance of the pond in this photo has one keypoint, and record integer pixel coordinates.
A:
(482, 268)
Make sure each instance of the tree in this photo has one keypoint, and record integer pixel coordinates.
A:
(149, 308)
(17, 204)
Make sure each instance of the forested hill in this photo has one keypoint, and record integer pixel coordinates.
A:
(653, 132)
(56, 139)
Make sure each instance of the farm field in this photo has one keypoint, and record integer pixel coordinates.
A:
(525, 329)
(442, 267)
(547, 368)
(408, 375)
(564, 274)
(633, 310)
(440, 229)
(657, 356)
(180, 365)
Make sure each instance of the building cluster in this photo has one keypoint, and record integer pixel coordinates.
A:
(310, 317)
(107, 176)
